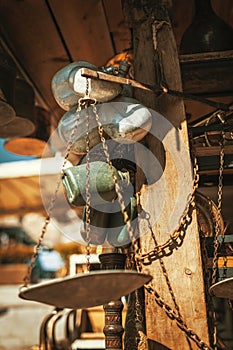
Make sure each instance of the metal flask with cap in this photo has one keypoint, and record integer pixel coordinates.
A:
(124, 120)
(68, 86)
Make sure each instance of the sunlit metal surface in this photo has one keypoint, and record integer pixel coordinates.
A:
(87, 289)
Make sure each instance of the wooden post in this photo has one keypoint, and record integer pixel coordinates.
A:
(165, 188)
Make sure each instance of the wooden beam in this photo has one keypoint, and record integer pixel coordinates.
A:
(210, 72)
(89, 73)
(212, 151)
(161, 193)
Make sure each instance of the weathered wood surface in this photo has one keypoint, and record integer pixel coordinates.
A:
(212, 151)
(166, 187)
(210, 73)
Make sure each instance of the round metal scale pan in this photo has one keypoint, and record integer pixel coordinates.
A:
(85, 290)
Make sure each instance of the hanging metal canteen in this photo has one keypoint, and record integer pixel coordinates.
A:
(124, 120)
(68, 85)
(102, 185)
(66, 125)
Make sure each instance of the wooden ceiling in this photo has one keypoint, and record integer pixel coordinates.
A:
(45, 35)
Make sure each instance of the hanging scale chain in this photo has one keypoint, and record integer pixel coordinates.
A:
(219, 209)
(116, 185)
(142, 344)
(37, 247)
(218, 227)
(183, 224)
(88, 194)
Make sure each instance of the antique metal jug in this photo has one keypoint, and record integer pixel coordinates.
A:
(68, 85)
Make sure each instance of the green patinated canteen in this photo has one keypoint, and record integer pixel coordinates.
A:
(101, 182)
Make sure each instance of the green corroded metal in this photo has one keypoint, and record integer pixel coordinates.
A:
(102, 186)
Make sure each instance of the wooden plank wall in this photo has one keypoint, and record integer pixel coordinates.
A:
(162, 193)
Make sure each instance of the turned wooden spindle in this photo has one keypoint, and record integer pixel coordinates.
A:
(113, 328)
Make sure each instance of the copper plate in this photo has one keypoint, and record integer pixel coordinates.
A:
(86, 290)
(26, 146)
(223, 289)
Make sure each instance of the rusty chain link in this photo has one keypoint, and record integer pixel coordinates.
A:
(143, 344)
(218, 227)
(183, 223)
(219, 209)
(158, 252)
(88, 195)
(37, 247)
(175, 316)
(164, 270)
(116, 185)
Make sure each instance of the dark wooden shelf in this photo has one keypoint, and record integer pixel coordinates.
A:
(208, 73)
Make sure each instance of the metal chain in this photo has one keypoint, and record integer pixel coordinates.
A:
(219, 209)
(183, 222)
(179, 320)
(88, 194)
(116, 185)
(85, 102)
(218, 228)
(143, 343)
(158, 249)
(164, 270)
(207, 284)
(37, 247)
(174, 315)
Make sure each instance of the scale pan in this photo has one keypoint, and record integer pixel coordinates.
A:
(87, 289)
(223, 289)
